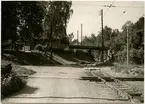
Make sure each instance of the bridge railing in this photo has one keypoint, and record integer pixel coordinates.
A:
(87, 47)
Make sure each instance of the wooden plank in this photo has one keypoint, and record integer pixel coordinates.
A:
(119, 92)
(130, 78)
(130, 95)
(108, 79)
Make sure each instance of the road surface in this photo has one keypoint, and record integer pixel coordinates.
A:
(63, 85)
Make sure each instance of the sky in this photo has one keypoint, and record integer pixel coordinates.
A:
(87, 13)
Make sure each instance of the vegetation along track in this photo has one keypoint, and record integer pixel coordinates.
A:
(125, 91)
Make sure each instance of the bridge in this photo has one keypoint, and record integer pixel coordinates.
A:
(87, 47)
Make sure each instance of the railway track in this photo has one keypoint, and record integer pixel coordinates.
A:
(124, 90)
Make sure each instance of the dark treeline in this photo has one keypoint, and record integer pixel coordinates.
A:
(117, 42)
(26, 20)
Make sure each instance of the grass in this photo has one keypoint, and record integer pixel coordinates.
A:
(27, 58)
(71, 56)
(105, 64)
(136, 70)
(68, 55)
(36, 58)
(23, 71)
(84, 56)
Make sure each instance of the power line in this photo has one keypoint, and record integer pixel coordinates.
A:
(109, 7)
(127, 6)
(87, 4)
(115, 6)
(106, 11)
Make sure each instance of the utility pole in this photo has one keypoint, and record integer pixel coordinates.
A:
(77, 37)
(51, 33)
(127, 49)
(44, 28)
(81, 33)
(102, 57)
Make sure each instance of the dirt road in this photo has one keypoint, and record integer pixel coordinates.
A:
(62, 85)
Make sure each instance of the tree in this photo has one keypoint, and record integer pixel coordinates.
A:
(57, 16)
(21, 20)
(70, 37)
(135, 42)
(117, 43)
(139, 24)
(107, 37)
(31, 15)
(75, 42)
(10, 20)
(138, 37)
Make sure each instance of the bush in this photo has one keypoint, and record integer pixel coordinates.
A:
(136, 56)
(11, 85)
(12, 82)
(135, 70)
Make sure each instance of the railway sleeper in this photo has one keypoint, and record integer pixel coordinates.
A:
(134, 93)
(122, 93)
(122, 89)
(131, 91)
(119, 92)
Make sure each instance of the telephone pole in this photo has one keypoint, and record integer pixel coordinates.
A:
(102, 57)
(51, 33)
(81, 33)
(77, 37)
(127, 49)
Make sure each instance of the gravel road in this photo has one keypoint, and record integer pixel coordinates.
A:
(62, 85)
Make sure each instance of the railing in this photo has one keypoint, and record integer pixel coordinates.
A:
(87, 47)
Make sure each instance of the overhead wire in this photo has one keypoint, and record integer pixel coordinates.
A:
(116, 6)
(128, 7)
(106, 11)
(109, 7)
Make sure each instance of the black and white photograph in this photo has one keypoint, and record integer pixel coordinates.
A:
(72, 52)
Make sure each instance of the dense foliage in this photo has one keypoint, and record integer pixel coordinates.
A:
(27, 20)
(117, 42)
(57, 15)
(21, 20)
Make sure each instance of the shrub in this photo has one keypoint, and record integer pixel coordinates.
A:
(11, 85)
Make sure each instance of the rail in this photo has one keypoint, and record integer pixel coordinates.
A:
(121, 88)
